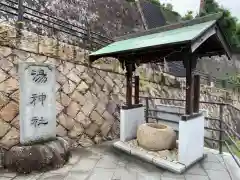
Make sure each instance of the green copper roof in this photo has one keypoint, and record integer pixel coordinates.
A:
(173, 36)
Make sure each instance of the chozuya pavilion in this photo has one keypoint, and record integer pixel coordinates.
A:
(187, 42)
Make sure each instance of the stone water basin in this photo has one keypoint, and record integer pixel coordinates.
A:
(156, 137)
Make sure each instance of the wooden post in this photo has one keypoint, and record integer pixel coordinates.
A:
(189, 80)
(146, 111)
(189, 64)
(221, 128)
(129, 85)
(136, 87)
(209, 79)
(20, 15)
(196, 94)
(224, 84)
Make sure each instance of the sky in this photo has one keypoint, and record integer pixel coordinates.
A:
(182, 6)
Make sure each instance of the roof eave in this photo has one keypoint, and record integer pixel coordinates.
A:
(222, 38)
(224, 42)
(131, 52)
(202, 37)
(213, 30)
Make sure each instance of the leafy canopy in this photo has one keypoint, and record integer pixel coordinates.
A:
(188, 16)
(229, 23)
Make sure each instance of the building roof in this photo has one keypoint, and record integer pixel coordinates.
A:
(166, 37)
(156, 15)
(201, 36)
(170, 16)
(152, 14)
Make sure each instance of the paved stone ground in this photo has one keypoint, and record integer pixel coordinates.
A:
(103, 162)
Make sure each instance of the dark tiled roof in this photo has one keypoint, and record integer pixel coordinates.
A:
(153, 14)
(157, 16)
(170, 16)
(176, 68)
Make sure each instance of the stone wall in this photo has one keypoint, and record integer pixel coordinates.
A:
(220, 67)
(110, 18)
(88, 97)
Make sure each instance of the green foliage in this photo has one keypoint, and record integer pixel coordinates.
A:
(238, 35)
(155, 2)
(238, 29)
(188, 16)
(235, 80)
(152, 1)
(167, 10)
(235, 150)
(167, 6)
(232, 146)
(228, 23)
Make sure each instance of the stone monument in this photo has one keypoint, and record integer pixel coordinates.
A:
(39, 148)
(37, 103)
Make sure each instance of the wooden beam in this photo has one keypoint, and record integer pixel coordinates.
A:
(175, 53)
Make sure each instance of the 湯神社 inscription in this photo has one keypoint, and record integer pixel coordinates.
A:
(37, 102)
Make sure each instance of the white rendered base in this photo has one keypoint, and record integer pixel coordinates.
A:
(191, 140)
(130, 119)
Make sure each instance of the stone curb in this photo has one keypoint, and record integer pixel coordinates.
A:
(171, 166)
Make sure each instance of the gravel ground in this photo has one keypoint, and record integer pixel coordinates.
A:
(170, 155)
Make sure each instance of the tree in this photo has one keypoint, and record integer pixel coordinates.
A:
(238, 34)
(188, 16)
(169, 6)
(238, 29)
(157, 2)
(152, 1)
(228, 23)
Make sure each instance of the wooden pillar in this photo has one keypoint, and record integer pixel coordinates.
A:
(189, 64)
(136, 88)
(189, 81)
(224, 84)
(20, 14)
(129, 85)
(209, 79)
(196, 94)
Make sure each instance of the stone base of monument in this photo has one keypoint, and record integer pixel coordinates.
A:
(38, 157)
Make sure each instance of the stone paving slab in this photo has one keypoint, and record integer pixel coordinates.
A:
(5, 178)
(104, 162)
